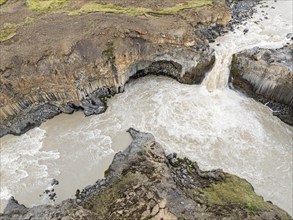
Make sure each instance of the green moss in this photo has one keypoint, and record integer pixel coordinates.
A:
(101, 203)
(46, 5)
(7, 31)
(2, 2)
(236, 191)
(188, 5)
(109, 52)
(251, 208)
(28, 20)
(116, 9)
(106, 172)
(110, 8)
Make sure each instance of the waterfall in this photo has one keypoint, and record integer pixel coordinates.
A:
(255, 32)
(217, 78)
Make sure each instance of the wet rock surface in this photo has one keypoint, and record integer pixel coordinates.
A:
(144, 183)
(267, 76)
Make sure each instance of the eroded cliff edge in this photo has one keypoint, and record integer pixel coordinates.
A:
(267, 76)
(144, 183)
(69, 55)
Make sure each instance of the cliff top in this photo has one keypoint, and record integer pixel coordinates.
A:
(30, 11)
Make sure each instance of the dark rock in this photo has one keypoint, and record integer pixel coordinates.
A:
(31, 118)
(242, 10)
(54, 182)
(14, 208)
(289, 36)
(52, 196)
(266, 75)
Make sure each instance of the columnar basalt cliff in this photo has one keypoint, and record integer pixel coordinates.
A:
(74, 60)
(267, 76)
(144, 183)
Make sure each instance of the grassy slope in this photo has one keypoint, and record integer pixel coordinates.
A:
(8, 30)
(237, 191)
(46, 5)
(111, 8)
(2, 2)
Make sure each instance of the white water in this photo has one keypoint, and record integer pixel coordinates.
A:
(221, 129)
(269, 33)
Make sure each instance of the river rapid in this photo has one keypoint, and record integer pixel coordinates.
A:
(209, 123)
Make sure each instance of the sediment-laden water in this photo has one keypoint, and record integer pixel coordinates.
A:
(215, 126)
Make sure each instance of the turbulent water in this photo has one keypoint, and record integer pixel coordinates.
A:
(218, 129)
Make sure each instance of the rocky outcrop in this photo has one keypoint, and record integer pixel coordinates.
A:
(267, 76)
(143, 183)
(56, 62)
(62, 63)
(59, 63)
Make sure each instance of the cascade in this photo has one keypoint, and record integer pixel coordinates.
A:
(256, 32)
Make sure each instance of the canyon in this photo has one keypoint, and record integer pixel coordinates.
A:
(75, 60)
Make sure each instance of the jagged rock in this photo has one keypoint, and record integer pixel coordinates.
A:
(13, 207)
(267, 76)
(143, 184)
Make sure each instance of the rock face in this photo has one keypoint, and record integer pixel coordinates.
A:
(267, 76)
(61, 63)
(56, 62)
(143, 183)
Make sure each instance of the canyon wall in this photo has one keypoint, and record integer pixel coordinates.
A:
(62, 63)
(267, 76)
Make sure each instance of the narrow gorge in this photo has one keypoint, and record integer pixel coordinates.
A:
(84, 62)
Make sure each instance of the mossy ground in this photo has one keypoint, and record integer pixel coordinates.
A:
(109, 52)
(116, 9)
(2, 2)
(46, 5)
(236, 191)
(101, 203)
(7, 31)
(41, 7)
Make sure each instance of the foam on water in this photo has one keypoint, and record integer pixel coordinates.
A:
(23, 159)
(69, 151)
(221, 129)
